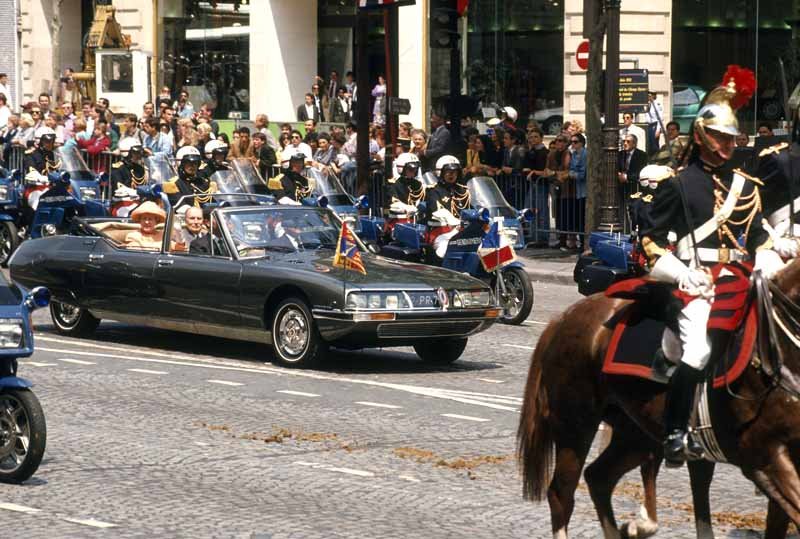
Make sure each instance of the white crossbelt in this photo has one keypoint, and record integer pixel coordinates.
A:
(782, 214)
(710, 255)
(711, 226)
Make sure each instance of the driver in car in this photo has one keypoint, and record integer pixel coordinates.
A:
(291, 187)
(189, 181)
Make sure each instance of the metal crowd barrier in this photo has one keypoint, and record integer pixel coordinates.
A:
(100, 162)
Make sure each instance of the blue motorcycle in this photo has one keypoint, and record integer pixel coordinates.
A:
(11, 215)
(23, 431)
(329, 193)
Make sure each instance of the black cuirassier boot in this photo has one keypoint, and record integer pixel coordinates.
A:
(680, 402)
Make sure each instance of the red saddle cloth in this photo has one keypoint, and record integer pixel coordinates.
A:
(639, 327)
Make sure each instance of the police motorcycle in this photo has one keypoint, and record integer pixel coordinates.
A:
(23, 430)
(124, 199)
(126, 176)
(249, 177)
(11, 218)
(327, 191)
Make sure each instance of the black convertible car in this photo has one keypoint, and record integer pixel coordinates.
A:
(267, 276)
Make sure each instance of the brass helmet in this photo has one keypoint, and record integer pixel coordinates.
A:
(718, 112)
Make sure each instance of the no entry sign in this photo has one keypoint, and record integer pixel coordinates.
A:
(582, 55)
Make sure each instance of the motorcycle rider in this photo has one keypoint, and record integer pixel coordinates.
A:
(129, 172)
(445, 202)
(216, 157)
(189, 181)
(715, 212)
(405, 190)
(291, 187)
(42, 159)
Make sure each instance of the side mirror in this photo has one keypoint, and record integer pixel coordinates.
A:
(37, 298)
(362, 202)
(526, 215)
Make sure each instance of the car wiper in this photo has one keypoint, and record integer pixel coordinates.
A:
(278, 248)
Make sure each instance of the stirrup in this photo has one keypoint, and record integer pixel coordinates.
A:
(675, 449)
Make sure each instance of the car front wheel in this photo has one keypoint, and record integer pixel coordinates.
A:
(72, 320)
(295, 337)
(441, 352)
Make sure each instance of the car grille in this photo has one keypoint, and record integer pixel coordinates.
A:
(427, 329)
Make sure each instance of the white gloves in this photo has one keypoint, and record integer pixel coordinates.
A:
(769, 262)
(693, 281)
(289, 201)
(33, 177)
(399, 207)
(125, 192)
(786, 247)
(445, 217)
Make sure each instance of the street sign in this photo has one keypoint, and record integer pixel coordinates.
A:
(582, 55)
(377, 4)
(633, 87)
(399, 106)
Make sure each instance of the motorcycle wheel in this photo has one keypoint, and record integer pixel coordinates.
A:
(518, 303)
(23, 435)
(9, 241)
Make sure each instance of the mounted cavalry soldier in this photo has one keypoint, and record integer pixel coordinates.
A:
(715, 212)
(445, 203)
(190, 181)
(291, 187)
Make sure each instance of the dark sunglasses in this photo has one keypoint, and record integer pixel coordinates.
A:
(296, 136)
(574, 140)
(36, 112)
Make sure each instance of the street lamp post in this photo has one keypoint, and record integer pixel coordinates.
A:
(610, 217)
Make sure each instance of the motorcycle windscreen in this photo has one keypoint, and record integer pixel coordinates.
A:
(328, 185)
(159, 169)
(72, 162)
(249, 176)
(484, 193)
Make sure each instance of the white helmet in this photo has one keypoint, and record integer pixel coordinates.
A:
(404, 159)
(213, 145)
(511, 113)
(45, 131)
(186, 150)
(651, 175)
(447, 162)
(127, 143)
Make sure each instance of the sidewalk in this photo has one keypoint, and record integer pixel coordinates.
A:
(548, 265)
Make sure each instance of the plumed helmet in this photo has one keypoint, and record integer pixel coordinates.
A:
(128, 145)
(188, 154)
(403, 160)
(447, 162)
(217, 146)
(718, 112)
(652, 174)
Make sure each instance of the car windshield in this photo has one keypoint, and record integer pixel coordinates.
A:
(72, 162)
(257, 230)
(249, 176)
(159, 169)
(484, 193)
(327, 185)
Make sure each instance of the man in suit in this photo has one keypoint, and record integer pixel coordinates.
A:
(317, 96)
(332, 91)
(439, 143)
(341, 107)
(308, 111)
(631, 160)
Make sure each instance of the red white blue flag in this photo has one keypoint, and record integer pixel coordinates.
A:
(495, 250)
(347, 254)
(377, 4)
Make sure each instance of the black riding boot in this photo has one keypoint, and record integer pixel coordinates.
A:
(680, 402)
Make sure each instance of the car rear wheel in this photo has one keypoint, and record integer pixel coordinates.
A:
(72, 320)
(9, 241)
(441, 352)
(295, 337)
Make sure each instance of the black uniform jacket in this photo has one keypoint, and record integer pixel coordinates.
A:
(41, 160)
(406, 190)
(128, 174)
(289, 184)
(452, 197)
(667, 212)
(180, 186)
(640, 205)
(779, 169)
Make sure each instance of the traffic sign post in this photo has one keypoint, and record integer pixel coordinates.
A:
(582, 55)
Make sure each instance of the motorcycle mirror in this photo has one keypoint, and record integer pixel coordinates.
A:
(484, 215)
(322, 201)
(526, 215)
(362, 203)
(37, 298)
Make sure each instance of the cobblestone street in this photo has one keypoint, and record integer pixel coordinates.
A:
(161, 434)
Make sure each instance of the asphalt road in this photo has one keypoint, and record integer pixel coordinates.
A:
(159, 434)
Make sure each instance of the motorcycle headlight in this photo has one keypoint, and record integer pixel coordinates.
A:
(10, 333)
(467, 299)
(389, 301)
(3, 192)
(49, 230)
(88, 193)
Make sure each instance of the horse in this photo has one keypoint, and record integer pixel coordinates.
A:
(567, 396)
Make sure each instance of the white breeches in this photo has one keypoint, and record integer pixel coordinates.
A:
(441, 241)
(692, 323)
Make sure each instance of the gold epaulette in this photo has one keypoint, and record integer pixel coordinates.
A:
(117, 164)
(274, 184)
(636, 195)
(648, 199)
(27, 152)
(773, 149)
(390, 181)
(170, 187)
(202, 165)
(747, 176)
(212, 187)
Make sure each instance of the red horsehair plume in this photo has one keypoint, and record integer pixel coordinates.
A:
(742, 81)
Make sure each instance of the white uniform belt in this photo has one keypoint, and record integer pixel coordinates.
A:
(712, 255)
(783, 213)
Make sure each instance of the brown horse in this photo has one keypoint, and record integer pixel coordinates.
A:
(567, 396)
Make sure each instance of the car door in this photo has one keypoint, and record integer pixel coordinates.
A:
(119, 280)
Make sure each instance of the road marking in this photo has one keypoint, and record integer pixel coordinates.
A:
(202, 444)
(483, 396)
(147, 371)
(224, 382)
(466, 417)
(535, 323)
(90, 522)
(37, 364)
(409, 478)
(520, 346)
(226, 365)
(75, 361)
(298, 393)
(489, 380)
(378, 405)
(19, 508)
(348, 471)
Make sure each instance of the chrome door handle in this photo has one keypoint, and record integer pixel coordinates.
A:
(93, 257)
(165, 262)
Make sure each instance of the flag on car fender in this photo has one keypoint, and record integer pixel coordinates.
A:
(495, 250)
(347, 254)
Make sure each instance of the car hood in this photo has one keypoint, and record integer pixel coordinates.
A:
(383, 273)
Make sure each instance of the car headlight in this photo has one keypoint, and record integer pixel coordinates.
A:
(377, 301)
(88, 193)
(467, 299)
(10, 333)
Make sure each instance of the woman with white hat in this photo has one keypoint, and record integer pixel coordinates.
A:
(148, 215)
